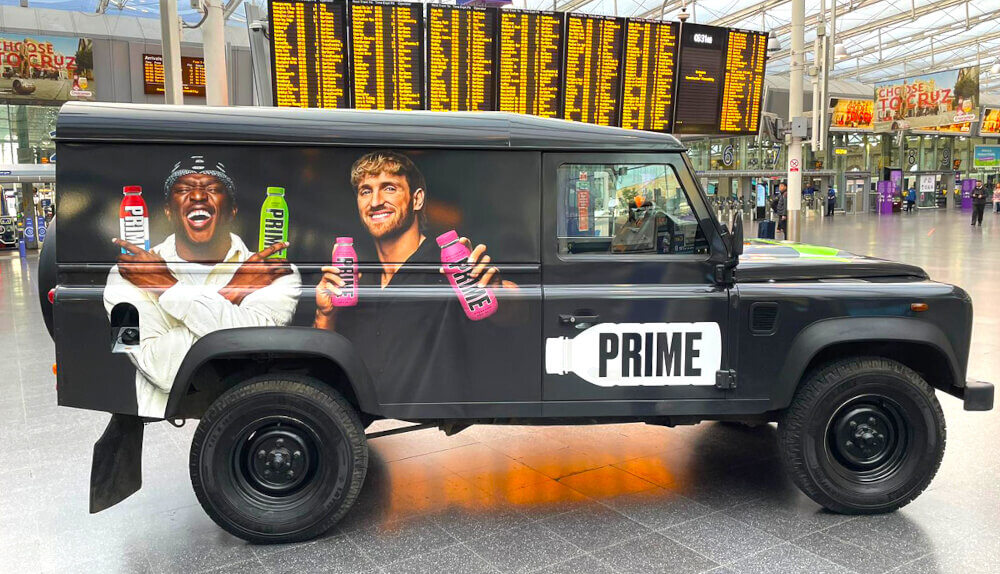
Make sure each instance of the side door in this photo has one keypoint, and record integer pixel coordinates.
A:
(633, 320)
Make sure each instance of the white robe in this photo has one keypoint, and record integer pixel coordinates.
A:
(171, 322)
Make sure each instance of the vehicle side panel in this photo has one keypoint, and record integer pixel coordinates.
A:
(415, 342)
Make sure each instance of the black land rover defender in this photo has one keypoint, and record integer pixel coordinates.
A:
(457, 269)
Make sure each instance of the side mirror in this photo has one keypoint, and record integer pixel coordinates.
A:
(736, 237)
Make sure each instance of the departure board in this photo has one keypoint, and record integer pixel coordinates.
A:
(192, 75)
(531, 62)
(461, 58)
(648, 84)
(387, 44)
(593, 72)
(746, 56)
(309, 65)
(700, 75)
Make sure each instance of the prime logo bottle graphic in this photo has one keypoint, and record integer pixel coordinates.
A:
(477, 302)
(274, 220)
(639, 354)
(346, 260)
(133, 218)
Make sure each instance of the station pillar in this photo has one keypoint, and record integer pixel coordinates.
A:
(214, 38)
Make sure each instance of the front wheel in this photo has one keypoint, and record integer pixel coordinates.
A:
(863, 436)
(278, 459)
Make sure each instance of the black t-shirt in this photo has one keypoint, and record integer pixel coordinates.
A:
(411, 334)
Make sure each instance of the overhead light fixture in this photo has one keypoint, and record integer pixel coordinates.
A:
(773, 43)
(839, 51)
(995, 69)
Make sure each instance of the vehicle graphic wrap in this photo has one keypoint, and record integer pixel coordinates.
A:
(210, 265)
(639, 354)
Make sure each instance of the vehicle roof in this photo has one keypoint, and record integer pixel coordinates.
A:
(115, 122)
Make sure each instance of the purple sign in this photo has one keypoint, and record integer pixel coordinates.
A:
(886, 190)
(967, 186)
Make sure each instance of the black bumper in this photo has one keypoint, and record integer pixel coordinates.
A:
(976, 395)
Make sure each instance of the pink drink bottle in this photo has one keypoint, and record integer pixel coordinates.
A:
(345, 259)
(477, 302)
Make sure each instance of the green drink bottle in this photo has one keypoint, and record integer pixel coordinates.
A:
(274, 220)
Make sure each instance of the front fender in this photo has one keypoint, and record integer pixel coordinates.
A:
(823, 334)
(283, 341)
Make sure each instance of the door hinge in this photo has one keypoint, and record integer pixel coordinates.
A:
(725, 379)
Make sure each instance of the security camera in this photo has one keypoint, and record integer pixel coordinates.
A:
(258, 26)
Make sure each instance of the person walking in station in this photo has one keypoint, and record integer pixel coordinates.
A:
(978, 203)
(996, 199)
(831, 201)
(911, 199)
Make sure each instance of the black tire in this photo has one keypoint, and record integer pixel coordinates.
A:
(863, 435)
(278, 458)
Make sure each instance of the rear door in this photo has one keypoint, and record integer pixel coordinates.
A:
(632, 316)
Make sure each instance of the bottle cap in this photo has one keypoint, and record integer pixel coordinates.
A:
(132, 189)
(345, 241)
(447, 237)
(275, 190)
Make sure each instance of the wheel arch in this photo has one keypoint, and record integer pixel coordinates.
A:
(920, 345)
(219, 360)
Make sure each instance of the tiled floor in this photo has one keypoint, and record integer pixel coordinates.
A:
(629, 498)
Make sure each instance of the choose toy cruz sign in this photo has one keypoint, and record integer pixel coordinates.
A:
(928, 101)
(46, 68)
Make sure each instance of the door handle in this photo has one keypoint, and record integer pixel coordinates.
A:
(578, 321)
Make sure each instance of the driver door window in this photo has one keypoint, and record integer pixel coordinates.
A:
(615, 209)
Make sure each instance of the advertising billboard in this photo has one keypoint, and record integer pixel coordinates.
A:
(851, 115)
(46, 69)
(986, 156)
(990, 125)
(927, 101)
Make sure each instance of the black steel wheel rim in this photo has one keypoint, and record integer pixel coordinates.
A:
(276, 459)
(867, 438)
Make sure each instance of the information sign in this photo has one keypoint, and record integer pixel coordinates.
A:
(531, 62)
(309, 66)
(192, 75)
(387, 55)
(648, 84)
(593, 72)
(742, 94)
(699, 79)
(461, 58)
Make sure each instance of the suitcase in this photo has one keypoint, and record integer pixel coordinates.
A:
(765, 229)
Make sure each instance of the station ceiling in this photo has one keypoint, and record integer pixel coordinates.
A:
(883, 38)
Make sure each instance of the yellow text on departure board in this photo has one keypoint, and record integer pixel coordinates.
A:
(593, 69)
(648, 82)
(387, 55)
(741, 97)
(309, 53)
(461, 58)
(530, 66)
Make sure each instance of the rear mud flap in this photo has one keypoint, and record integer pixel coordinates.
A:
(116, 473)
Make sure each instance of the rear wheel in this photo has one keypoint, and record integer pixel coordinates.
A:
(863, 436)
(278, 459)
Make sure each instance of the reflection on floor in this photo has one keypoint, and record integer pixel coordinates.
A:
(626, 498)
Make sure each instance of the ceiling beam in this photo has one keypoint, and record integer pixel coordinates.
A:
(924, 35)
(909, 57)
(874, 25)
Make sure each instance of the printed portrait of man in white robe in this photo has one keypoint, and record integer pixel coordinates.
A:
(200, 279)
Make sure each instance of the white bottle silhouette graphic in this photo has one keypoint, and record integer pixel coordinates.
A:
(639, 354)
